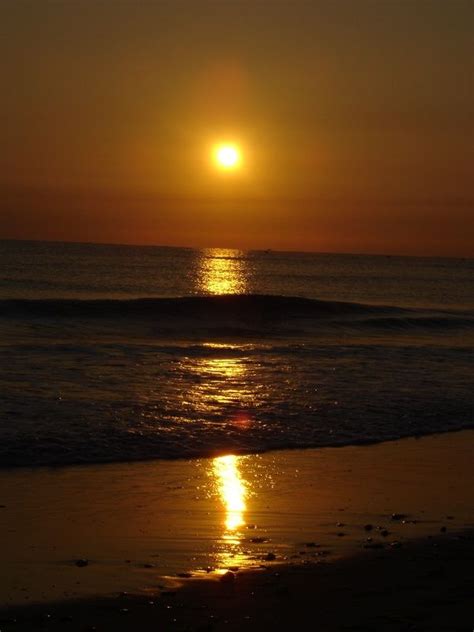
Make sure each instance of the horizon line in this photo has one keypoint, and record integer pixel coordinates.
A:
(263, 250)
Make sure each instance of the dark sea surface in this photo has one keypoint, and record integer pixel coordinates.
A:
(113, 353)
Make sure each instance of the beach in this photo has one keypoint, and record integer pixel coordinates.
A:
(221, 439)
(377, 536)
(236, 316)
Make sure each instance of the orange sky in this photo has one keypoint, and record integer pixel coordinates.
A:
(355, 120)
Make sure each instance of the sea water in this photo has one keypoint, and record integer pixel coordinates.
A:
(113, 353)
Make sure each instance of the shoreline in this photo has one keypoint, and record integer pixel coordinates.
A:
(241, 453)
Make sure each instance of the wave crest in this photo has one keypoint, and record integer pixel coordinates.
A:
(236, 313)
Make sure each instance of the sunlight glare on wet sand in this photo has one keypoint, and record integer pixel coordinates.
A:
(232, 490)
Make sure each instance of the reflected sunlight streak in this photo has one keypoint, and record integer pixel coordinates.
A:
(232, 489)
(221, 387)
(222, 272)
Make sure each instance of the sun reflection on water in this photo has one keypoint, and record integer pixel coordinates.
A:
(225, 388)
(223, 394)
(221, 391)
(222, 271)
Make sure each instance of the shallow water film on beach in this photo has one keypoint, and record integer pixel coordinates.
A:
(113, 353)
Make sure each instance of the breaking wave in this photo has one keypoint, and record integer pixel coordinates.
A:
(237, 313)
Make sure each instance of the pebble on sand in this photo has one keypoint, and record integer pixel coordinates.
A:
(228, 578)
(81, 563)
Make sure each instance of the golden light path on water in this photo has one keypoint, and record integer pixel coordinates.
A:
(223, 390)
(221, 271)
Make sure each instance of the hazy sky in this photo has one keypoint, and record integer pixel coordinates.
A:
(355, 119)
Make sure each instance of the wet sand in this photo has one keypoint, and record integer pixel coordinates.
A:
(424, 585)
(301, 519)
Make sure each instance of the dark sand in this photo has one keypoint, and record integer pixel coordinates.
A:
(422, 585)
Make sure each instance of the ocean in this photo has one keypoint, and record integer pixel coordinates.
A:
(119, 353)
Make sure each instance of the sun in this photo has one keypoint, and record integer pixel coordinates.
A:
(227, 156)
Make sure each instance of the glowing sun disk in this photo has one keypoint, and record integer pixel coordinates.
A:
(227, 156)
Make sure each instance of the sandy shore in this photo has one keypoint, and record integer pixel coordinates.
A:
(316, 524)
(423, 585)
